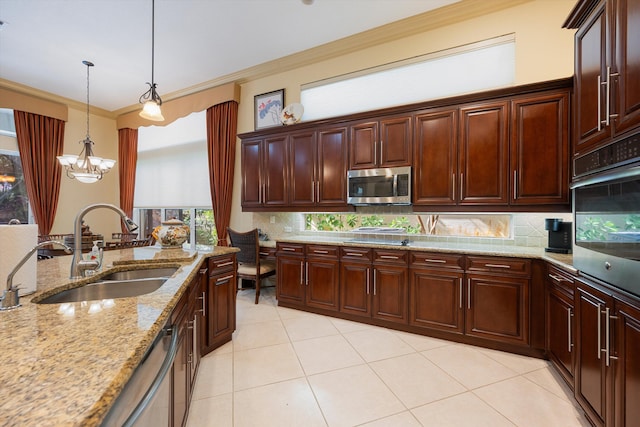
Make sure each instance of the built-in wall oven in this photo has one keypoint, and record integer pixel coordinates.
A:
(607, 215)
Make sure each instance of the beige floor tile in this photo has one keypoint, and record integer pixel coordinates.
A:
(415, 380)
(550, 380)
(539, 408)
(215, 376)
(290, 313)
(515, 362)
(288, 403)
(468, 365)
(346, 326)
(265, 365)
(255, 313)
(421, 342)
(377, 344)
(212, 412)
(403, 419)
(253, 335)
(225, 348)
(352, 396)
(307, 327)
(326, 354)
(463, 410)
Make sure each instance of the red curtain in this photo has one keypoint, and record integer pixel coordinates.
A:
(127, 159)
(40, 140)
(222, 125)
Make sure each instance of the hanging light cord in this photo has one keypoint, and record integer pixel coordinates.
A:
(88, 64)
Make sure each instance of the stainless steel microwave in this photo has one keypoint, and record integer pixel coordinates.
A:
(380, 186)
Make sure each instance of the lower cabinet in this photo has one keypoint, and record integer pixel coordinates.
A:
(560, 322)
(627, 365)
(180, 372)
(220, 297)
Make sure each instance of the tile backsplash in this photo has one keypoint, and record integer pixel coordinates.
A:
(527, 229)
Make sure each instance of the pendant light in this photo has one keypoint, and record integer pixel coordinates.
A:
(86, 167)
(150, 99)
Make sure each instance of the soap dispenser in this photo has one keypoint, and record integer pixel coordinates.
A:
(96, 253)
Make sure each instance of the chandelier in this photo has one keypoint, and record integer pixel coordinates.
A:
(86, 167)
(150, 99)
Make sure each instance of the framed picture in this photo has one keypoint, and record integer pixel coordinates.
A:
(268, 107)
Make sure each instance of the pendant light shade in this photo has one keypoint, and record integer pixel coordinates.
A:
(86, 167)
(150, 99)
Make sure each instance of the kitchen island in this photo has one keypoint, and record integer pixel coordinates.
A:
(65, 364)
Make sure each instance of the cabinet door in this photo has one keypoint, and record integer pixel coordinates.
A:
(355, 288)
(180, 373)
(627, 377)
(395, 142)
(591, 387)
(363, 141)
(322, 283)
(276, 175)
(390, 293)
(591, 58)
(560, 332)
(332, 167)
(436, 300)
(498, 308)
(251, 172)
(540, 149)
(484, 154)
(627, 62)
(435, 158)
(290, 280)
(303, 160)
(221, 304)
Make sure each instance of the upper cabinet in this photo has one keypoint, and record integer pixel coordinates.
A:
(607, 71)
(382, 143)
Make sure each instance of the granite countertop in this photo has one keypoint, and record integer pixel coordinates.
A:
(564, 261)
(62, 365)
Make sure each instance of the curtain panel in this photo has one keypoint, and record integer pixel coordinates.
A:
(222, 125)
(40, 141)
(127, 159)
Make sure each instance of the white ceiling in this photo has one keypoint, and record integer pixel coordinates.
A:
(43, 42)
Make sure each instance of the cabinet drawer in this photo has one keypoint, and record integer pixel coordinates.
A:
(561, 280)
(324, 251)
(355, 254)
(436, 260)
(390, 256)
(268, 253)
(221, 264)
(289, 248)
(517, 266)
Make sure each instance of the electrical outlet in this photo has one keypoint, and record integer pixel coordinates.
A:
(272, 219)
(288, 229)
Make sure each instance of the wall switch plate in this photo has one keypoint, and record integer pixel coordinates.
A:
(288, 229)
(272, 219)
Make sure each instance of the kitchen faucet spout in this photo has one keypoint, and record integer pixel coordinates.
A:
(78, 265)
(10, 298)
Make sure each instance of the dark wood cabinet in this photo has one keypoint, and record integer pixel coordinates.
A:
(251, 173)
(540, 149)
(390, 286)
(607, 84)
(436, 295)
(180, 372)
(435, 160)
(380, 143)
(303, 152)
(627, 364)
(593, 378)
(498, 299)
(560, 322)
(290, 277)
(264, 171)
(220, 307)
(355, 281)
(322, 273)
(331, 168)
(483, 154)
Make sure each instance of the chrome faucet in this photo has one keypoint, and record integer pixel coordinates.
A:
(10, 298)
(79, 266)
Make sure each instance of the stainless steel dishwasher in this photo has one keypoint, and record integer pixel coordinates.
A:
(146, 398)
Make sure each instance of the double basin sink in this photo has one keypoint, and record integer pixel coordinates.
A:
(119, 284)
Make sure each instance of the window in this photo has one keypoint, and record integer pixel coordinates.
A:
(14, 201)
(203, 234)
(432, 76)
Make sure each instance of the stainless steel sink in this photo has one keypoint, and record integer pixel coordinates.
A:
(120, 284)
(141, 274)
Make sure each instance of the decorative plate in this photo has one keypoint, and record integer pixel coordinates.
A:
(291, 114)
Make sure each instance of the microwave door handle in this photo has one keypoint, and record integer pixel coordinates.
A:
(395, 185)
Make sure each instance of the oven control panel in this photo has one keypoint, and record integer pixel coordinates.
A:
(616, 154)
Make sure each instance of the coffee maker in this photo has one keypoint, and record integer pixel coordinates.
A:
(560, 235)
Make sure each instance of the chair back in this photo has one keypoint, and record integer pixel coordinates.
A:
(248, 244)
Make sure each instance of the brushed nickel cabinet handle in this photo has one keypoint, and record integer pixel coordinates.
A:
(368, 280)
(515, 184)
(224, 279)
(306, 273)
(460, 290)
(388, 257)
(599, 106)
(569, 337)
(224, 264)
(599, 330)
(288, 249)
(469, 294)
(302, 272)
(320, 252)
(436, 261)
(497, 266)
(352, 254)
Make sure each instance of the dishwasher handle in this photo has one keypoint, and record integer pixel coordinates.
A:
(157, 381)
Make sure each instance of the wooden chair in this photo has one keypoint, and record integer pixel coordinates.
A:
(250, 267)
